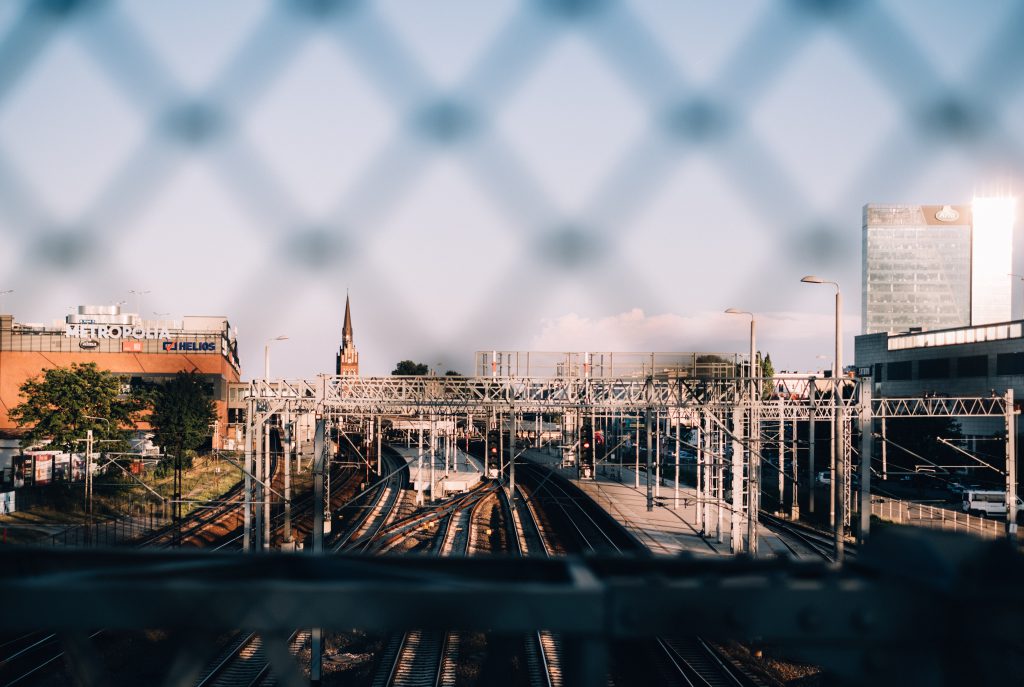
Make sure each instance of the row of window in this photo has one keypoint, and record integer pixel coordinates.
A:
(944, 368)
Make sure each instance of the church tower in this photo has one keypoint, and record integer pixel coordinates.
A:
(348, 356)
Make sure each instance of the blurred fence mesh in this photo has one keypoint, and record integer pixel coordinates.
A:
(448, 205)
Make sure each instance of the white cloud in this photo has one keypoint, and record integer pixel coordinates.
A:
(793, 339)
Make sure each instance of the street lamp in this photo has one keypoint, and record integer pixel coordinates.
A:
(755, 464)
(266, 354)
(839, 475)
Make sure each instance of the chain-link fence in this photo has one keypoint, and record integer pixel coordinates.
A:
(469, 169)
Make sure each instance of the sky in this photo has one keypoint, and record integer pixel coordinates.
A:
(536, 175)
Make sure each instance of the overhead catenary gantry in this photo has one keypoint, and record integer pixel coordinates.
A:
(737, 420)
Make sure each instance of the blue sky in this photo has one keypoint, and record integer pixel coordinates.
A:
(516, 175)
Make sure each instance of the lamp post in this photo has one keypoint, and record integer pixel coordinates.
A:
(754, 467)
(266, 355)
(839, 464)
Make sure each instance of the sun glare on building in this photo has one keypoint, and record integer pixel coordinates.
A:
(992, 257)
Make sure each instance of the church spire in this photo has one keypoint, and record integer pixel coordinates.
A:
(347, 360)
(346, 330)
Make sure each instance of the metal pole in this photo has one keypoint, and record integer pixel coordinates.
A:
(247, 539)
(1011, 467)
(657, 454)
(782, 456)
(636, 469)
(718, 446)
(885, 462)
(753, 446)
(267, 494)
(865, 460)
(512, 453)
(379, 459)
(433, 442)
(419, 468)
(840, 486)
(736, 531)
(287, 456)
(257, 533)
(675, 484)
(794, 504)
(812, 476)
(647, 420)
(88, 472)
(320, 443)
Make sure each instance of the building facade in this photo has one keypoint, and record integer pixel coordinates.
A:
(916, 267)
(347, 360)
(936, 266)
(963, 361)
(121, 343)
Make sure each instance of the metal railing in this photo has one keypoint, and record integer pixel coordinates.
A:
(934, 517)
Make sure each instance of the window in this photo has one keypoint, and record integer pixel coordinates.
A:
(972, 366)
(899, 371)
(878, 372)
(936, 368)
(1010, 364)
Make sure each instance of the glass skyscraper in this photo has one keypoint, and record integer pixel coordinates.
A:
(916, 267)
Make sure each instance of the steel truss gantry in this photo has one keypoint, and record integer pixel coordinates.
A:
(738, 419)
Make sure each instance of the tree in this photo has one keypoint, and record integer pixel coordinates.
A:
(452, 373)
(406, 368)
(64, 403)
(183, 412)
(767, 372)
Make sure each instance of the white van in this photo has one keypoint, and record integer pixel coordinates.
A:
(988, 503)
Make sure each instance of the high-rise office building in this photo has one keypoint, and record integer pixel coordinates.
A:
(936, 266)
(916, 267)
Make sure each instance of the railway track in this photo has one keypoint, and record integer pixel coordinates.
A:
(243, 661)
(800, 539)
(421, 658)
(554, 503)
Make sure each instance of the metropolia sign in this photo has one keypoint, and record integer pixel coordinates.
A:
(114, 331)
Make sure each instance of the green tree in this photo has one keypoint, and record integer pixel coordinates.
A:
(183, 412)
(452, 373)
(767, 372)
(64, 402)
(406, 368)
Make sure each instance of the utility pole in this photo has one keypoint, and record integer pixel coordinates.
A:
(865, 460)
(812, 476)
(512, 453)
(736, 531)
(320, 448)
(1011, 467)
(247, 543)
(647, 420)
(88, 473)
(287, 455)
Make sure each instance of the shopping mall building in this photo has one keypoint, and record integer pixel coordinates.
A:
(124, 344)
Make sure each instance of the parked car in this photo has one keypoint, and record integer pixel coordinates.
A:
(988, 503)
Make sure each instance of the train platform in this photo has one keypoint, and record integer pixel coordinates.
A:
(462, 474)
(671, 528)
